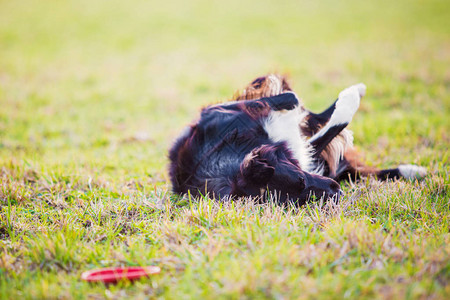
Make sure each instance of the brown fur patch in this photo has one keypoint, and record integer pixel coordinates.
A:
(336, 150)
(265, 86)
(357, 166)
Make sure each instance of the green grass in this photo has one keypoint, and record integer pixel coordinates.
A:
(93, 93)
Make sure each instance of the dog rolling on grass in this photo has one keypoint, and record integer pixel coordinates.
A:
(266, 144)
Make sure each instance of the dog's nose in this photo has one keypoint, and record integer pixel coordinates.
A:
(335, 186)
(324, 187)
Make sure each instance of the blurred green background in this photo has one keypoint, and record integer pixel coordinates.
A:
(105, 86)
(93, 93)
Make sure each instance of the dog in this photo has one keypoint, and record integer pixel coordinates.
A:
(266, 144)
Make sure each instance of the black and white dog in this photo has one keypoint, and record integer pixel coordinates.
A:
(266, 143)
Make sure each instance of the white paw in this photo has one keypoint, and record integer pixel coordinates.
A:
(348, 102)
(412, 171)
(361, 89)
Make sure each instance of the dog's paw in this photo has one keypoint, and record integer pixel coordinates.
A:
(412, 171)
(348, 101)
(361, 87)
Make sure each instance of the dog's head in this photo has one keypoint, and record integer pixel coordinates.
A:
(270, 168)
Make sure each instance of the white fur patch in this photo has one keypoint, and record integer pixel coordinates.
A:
(346, 107)
(412, 171)
(283, 126)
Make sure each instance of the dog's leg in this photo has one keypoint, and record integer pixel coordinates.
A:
(344, 109)
(328, 160)
(282, 102)
(313, 122)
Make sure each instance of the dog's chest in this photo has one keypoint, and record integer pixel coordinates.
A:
(283, 126)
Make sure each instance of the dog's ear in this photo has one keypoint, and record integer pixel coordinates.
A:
(258, 167)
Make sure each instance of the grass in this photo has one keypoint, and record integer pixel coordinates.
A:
(92, 95)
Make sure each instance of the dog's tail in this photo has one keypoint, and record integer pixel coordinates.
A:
(352, 167)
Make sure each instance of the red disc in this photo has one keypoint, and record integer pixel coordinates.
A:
(113, 275)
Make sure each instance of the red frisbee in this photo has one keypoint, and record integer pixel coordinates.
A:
(114, 275)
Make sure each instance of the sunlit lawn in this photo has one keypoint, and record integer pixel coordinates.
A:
(93, 93)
